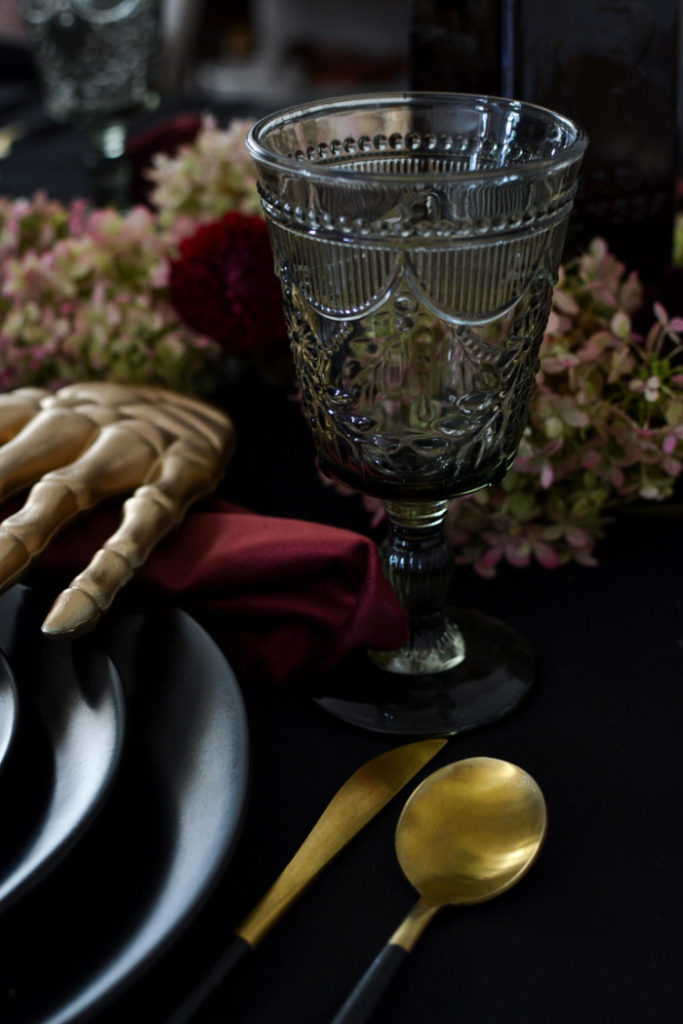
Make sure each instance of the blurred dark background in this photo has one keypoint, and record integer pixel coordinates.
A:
(613, 66)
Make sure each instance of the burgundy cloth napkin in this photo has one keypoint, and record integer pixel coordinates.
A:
(284, 598)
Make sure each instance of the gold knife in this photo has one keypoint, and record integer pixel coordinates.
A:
(361, 797)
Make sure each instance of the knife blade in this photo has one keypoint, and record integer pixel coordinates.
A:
(360, 798)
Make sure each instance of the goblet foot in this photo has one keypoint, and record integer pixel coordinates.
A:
(441, 649)
(490, 682)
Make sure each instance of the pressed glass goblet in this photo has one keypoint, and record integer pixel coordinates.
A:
(98, 62)
(417, 238)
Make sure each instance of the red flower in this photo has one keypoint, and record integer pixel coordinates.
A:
(223, 285)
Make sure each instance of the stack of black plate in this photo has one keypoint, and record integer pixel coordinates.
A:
(123, 786)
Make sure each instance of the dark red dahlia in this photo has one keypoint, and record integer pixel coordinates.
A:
(223, 285)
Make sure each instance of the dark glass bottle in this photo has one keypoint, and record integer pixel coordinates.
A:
(612, 65)
(456, 46)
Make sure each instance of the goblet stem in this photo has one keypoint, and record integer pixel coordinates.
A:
(106, 162)
(418, 561)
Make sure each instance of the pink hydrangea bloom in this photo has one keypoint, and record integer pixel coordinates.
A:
(605, 427)
(83, 296)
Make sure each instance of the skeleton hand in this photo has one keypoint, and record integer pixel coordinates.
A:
(86, 443)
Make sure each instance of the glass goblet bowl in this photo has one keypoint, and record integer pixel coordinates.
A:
(418, 238)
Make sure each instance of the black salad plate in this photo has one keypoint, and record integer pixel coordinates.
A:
(167, 831)
(8, 707)
(65, 748)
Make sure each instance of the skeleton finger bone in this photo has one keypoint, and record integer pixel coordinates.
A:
(17, 408)
(117, 461)
(187, 474)
(89, 442)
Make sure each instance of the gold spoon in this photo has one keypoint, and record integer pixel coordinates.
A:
(470, 831)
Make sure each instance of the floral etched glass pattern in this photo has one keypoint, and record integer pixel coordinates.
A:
(417, 239)
(405, 403)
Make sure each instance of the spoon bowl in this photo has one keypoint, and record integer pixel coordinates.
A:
(468, 833)
(471, 830)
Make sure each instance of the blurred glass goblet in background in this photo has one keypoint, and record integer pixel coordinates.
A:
(418, 238)
(98, 65)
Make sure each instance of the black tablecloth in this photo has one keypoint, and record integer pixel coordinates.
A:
(593, 932)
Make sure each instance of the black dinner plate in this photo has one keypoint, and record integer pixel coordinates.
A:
(66, 746)
(152, 857)
(8, 707)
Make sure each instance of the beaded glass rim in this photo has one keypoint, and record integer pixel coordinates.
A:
(310, 163)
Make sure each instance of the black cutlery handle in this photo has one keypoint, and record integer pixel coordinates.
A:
(372, 986)
(221, 967)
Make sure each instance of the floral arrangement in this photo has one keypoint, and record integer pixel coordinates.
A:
(164, 295)
(83, 295)
(605, 426)
(156, 295)
(213, 280)
(205, 178)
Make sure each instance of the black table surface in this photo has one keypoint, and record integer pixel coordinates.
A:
(593, 932)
